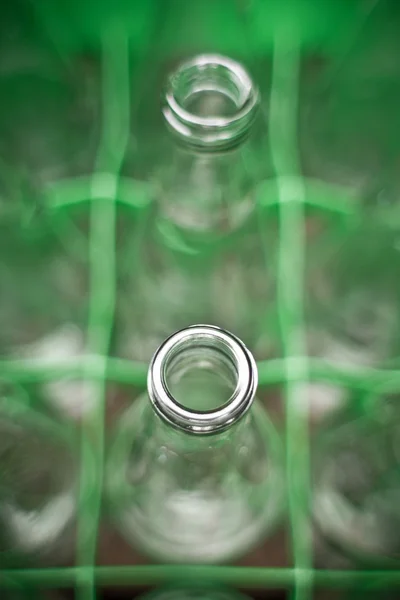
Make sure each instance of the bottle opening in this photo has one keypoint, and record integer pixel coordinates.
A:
(202, 379)
(214, 103)
(211, 89)
(210, 102)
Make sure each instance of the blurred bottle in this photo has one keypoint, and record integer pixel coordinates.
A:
(354, 296)
(43, 311)
(181, 31)
(348, 122)
(47, 139)
(200, 258)
(349, 97)
(39, 484)
(193, 592)
(48, 128)
(195, 471)
(356, 494)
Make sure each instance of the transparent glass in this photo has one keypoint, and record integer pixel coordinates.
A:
(200, 256)
(348, 119)
(38, 484)
(354, 299)
(195, 470)
(43, 307)
(48, 139)
(348, 105)
(48, 131)
(356, 496)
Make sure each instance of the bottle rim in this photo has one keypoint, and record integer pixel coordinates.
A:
(213, 131)
(197, 421)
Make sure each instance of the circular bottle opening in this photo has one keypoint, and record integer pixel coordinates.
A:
(202, 379)
(210, 102)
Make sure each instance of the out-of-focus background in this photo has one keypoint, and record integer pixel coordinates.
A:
(80, 133)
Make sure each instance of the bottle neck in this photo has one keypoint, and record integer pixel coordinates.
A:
(210, 103)
(183, 442)
(209, 106)
(206, 195)
(202, 381)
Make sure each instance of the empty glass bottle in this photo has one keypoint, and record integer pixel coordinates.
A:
(357, 485)
(47, 138)
(354, 297)
(48, 132)
(195, 471)
(348, 123)
(43, 308)
(39, 478)
(200, 257)
(348, 115)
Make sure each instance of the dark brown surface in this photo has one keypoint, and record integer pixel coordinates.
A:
(125, 593)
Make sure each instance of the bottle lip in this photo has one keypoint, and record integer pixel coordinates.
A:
(211, 132)
(196, 421)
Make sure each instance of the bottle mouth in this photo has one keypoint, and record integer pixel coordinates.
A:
(210, 102)
(209, 347)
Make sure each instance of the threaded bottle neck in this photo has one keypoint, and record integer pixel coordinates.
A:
(210, 103)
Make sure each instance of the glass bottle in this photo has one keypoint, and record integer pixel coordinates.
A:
(43, 312)
(347, 137)
(200, 256)
(195, 471)
(356, 495)
(48, 130)
(354, 296)
(47, 141)
(38, 483)
(349, 97)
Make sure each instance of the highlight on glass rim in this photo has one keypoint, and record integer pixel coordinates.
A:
(199, 300)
